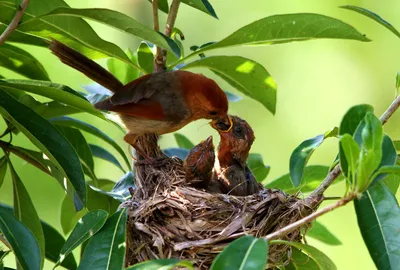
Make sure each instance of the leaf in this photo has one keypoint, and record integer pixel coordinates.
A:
(19, 37)
(349, 155)
(22, 241)
(123, 71)
(78, 141)
(397, 83)
(145, 57)
(87, 226)
(162, 5)
(72, 122)
(120, 22)
(68, 216)
(3, 169)
(323, 261)
(378, 216)
(72, 31)
(353, 117)
(389, 157)
(374, 17)
(301, 261)
(202, 5)
(57, 92)
(25, 211)
(232, 97)
(321, 233)
(178, 152)
(102, 153)
(183, 141)
(257, 167)
(161, 264)
(120, 191)
(47, 138)
(246, 252)
(285, 28)
(313, 176)
(392, 181)
(22, 62)
(391, 176)
(247, 76)
(106, 249)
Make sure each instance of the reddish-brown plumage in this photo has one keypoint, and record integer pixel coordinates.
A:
(231, 173)
(155, 103)
(199, 163)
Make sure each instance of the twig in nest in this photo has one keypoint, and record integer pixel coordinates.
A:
(15, 21)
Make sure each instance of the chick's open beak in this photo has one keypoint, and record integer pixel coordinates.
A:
(222, 124)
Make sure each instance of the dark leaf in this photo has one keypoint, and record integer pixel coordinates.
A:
(68, 215)
(22, 241)
(120, 191)
(378, 216)
(145, 57)
(246, 75)
(246, 252)
(256, 165)
(321, 233)
(106, 249)
(162, 5)
(19, 37)
(202, 5)
(178, 152)
(183, 141)
(21, 62)
(102, 153)
(374, 17)
(161, 264)
(3, 169)
(87, 226)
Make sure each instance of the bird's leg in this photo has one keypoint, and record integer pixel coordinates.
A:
(147, 160)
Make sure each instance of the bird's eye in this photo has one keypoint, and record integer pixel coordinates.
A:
(213, 113)
(238, 131)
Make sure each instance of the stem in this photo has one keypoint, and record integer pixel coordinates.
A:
(15, 21)
(330, 178)
(158, 59)
(307, 219)
(173, 13)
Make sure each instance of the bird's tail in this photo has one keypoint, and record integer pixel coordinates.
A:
(83, 64)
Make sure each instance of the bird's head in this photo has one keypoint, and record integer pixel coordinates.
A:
(207, 100)
(236, 143)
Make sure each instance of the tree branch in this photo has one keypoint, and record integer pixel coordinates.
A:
(158, 59)
(15, 21)
(173, 13)
(309, 218)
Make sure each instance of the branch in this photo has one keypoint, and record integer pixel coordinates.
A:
(173, 12)
(309, 218)
(330, 178)
(158, 59)
(15, 21)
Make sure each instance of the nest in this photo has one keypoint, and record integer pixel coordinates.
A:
(169, 219)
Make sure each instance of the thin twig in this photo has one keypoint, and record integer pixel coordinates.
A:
(15, 21)
(330, 178)
(307, 219)
(173, 13)
(158, 59)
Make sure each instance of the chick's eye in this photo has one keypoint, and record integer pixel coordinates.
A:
(213, 113)
(238, 131)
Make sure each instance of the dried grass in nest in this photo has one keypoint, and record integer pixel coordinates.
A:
(168, 219)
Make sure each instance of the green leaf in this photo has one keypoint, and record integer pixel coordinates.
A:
(106, 249)
(178, 152)
(183, 141)
(25, 211)
(22, 62)
(161, 264)
(353, 117)
(202, 5)
(391, 176)
(123, 71)
(78, 141)
(57, 92)
(374, 17)
(313, 176)
(397, 83)
(72, 31)
(68, 215)
(19, 37)
(87, 226)
(145, 57)
(102, 153)
(3, 169)
(48, 139)
(246, 252)
(162, 5)
(321, 233)
(257, 167)
(54, 241)
(301, 261)
(389, 157)
(22, 241)
(285, 28)
(120, 22)
(349, 155)
(378, 216)
(120, 190)
(72, 122)
(247, 76)
(392, 181)
(323, 261)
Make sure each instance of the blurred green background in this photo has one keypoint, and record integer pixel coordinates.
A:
(317, 82)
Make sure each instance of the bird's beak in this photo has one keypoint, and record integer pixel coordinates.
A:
(208, 143)
(222, 124)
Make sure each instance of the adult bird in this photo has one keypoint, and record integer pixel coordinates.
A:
(158, 103)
